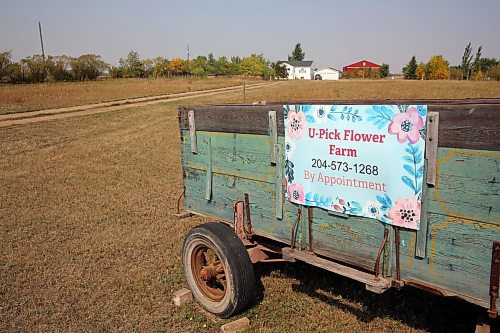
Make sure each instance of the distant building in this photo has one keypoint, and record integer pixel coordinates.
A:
(361, 66)
(298, 70)
(327, 73)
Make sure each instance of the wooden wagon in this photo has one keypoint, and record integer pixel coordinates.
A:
(233, 162)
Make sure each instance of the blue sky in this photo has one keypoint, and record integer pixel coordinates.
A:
(332, 33)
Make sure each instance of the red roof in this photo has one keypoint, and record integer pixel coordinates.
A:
(363, 63)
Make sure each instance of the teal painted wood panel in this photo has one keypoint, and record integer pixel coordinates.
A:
(459, 256)
(467, 185)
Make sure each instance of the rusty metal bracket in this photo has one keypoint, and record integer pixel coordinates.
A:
(494, 279)
(179, 214)
(382, 246)
(397, 283)
(295, 225)
(249, 219)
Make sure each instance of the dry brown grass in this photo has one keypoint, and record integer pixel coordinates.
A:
(89, 242)
(379, 89)
(29, 97)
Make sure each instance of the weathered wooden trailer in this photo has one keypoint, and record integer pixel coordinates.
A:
(233, 167)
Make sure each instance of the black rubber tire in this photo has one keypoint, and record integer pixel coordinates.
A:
(238, 268)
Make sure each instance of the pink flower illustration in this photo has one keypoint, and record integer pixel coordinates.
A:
(296, 124)
(406, 125)
(405, 213)
(296, 193)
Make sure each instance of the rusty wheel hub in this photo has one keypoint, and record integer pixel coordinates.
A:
(208, 272)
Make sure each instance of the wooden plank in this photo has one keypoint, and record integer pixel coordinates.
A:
(273, 136)
(431, 146)
(279, 182)
(467, 185)
(336, 268)
(242, 155)
(421, 234)
(192, 131)
(462, 125)
(208, 192)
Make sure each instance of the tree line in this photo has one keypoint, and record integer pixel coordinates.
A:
(37, 69)
(475, 68)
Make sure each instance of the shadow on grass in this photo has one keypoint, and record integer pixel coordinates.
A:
(413, 307)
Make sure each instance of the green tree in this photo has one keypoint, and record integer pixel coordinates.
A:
(5, 62)
(409, 70)
(487, 63)
(466, 61)
(455, 73)
(384, 71)
(437, 68)
(477, 60)
(198, 66)
(255, 65)
(87, 67)
(35, 69)
(17, 73)
(59, 68)
(280, 70)
(297, 54)
(132, 65)
(494, 73)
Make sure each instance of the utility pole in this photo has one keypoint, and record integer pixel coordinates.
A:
(41, 39)
(188, 52)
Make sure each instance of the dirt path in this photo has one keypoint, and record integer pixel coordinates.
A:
(22, 118)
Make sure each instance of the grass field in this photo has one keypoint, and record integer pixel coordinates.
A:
(89, 242)
(29, 97)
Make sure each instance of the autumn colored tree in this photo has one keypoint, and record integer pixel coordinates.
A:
(160, 67)
(437, 68)
(177, 66)
(420, 71)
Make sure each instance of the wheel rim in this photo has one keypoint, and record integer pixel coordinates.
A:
(208, 272)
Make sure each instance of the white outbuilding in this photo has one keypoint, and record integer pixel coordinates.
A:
(327, 73)
(299, 70)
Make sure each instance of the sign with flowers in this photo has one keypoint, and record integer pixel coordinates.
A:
(363, 160)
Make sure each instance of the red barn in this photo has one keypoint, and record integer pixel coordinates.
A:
(361, 65)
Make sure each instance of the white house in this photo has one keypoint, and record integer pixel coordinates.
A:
(299, 70)
(327, 73)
